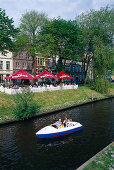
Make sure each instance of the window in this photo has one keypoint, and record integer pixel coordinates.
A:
(1, 65)
(27, 56)
(73, 69)
(1, 78)
(24, 65)
(30, 66)
(17, 65)
(21, 55)
(80, 77)
(49, 63)
(76, 68)
(80, 69)
(7, 65)
(40, 61)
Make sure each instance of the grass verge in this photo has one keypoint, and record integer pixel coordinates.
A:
(48, 101)
(104, 160)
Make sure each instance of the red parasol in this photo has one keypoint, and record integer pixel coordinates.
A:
(62, 75)
(20, 74)
(45, 75)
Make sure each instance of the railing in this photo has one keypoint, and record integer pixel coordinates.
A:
(37, 89)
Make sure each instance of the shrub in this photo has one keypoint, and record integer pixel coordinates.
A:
(101, 85)
(24, 105)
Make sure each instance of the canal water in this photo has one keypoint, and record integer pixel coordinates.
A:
(21, 149)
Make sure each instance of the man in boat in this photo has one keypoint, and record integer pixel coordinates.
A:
(57, 124)
(65, 122)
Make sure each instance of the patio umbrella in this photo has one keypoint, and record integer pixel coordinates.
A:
(20, 74)
(45, 75)
(62, 75)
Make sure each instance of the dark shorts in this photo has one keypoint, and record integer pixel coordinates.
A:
(54, 126)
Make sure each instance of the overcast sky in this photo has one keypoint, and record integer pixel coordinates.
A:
(66, 9)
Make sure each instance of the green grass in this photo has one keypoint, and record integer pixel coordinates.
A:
(51, 100)
(103, 161)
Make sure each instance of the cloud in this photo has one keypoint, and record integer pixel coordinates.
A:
(67, 9)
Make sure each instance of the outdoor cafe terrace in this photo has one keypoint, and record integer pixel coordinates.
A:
(22, 74)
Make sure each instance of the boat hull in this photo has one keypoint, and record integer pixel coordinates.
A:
(59, 133)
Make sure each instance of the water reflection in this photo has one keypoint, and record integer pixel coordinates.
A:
(9, 153)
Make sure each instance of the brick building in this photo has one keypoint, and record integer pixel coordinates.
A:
(22, 61)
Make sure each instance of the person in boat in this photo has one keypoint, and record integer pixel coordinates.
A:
(57, 124)
(62, 125)
(65, 122)
(69, 123)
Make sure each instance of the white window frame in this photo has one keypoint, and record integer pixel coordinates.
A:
(40, 61)
(17, 65)
(7, 65)
(21, 55)
(1, 65)
(1, 78)
(24, 66)
(27, 56)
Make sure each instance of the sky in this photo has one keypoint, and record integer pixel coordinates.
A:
(66, 9)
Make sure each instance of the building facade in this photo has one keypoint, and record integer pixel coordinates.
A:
(22, 61)
(6, 65)
(10, 64)
(75, 69)
(45, 63)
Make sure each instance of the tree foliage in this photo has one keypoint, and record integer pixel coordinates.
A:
(30, 26)
(97, 28)
(62, 38)
(7, 32)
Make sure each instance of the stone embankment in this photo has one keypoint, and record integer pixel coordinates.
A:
(102, 160)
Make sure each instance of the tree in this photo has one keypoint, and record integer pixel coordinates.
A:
(101, 65)
(7, 32)
(30, 26)
(97, 27)
(62, 38)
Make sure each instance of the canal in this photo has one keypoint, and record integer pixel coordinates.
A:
(21, 149)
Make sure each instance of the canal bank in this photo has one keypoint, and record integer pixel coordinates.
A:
(55, 111)
(49, 101)
(102, 160)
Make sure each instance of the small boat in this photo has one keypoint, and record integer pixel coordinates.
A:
(51, 132)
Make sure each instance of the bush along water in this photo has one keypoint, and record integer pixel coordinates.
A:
(24, 106)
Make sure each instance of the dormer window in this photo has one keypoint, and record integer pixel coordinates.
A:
(21, 55)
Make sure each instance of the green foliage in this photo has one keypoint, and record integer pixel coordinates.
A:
(7, 32)
(97, 29)
(103, 160)
(101, 85)
(30, 26)
(62, 38)
(101, 64)
(24, 106)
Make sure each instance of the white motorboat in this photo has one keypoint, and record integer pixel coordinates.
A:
(51, 132)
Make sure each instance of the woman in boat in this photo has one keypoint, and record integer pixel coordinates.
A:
(57, 124)
(69, 123)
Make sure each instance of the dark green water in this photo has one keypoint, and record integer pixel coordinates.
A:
(21, 149)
